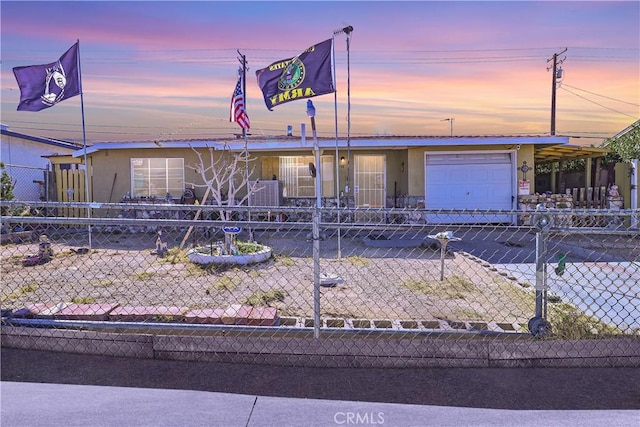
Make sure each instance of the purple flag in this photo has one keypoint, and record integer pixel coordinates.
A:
(305, 76)
(43, 86)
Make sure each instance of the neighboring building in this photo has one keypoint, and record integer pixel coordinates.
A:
(623, 173)
(25, 159)
(473, 172)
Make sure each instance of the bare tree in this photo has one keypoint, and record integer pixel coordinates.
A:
(225, 174)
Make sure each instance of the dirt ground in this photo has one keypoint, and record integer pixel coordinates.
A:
(374, 282)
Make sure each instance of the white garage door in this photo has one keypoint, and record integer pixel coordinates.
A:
(469, 181)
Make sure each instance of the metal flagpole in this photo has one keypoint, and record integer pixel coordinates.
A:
(243, 61)
(347, 30)
(335, 109)
(84, 145)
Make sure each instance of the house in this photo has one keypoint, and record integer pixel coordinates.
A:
(26, 160)
(474, 172)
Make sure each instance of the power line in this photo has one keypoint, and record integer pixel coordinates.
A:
(180, 53)
(600, 105)
(603, 96)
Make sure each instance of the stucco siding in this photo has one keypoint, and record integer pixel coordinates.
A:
(405, 167)
(23, 152)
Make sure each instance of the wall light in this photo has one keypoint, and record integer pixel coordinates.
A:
(342, 160)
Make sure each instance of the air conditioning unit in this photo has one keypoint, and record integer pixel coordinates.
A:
(266, 193)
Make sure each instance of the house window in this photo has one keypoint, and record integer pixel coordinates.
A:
(297, 180)
(155, 177)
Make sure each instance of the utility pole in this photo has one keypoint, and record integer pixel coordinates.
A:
(557, 74)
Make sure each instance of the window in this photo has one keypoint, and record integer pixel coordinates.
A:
(155, 177)
(297, 180)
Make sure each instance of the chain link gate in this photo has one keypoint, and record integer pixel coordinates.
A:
(150, 280)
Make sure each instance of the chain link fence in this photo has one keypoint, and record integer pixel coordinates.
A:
(323, 287)
(28, 182)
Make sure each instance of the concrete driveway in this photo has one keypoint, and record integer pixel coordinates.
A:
(609, 291)
(601, 280)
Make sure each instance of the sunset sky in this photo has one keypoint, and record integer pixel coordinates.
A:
(166, 70)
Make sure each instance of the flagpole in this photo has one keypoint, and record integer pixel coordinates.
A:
(347, 30)
(243, 61)
(84, 145)
(335, 110)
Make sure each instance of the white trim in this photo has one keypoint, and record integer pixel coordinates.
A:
(273, 144)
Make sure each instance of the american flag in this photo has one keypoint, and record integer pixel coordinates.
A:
(238, 113)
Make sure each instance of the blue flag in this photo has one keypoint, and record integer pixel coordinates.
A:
(304, 76)
(43, 86)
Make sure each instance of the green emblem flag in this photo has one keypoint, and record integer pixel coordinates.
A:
(304, 76)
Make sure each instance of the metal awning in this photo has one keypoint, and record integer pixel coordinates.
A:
(559, 153)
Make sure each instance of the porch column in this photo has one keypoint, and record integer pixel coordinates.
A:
(587, 173)
(559, 183)
(553, 177)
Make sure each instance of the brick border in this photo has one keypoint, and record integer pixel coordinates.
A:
(235, 314)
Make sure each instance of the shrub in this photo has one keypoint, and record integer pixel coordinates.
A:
(83, 300)
(262, 298)
(227, 283)
(569, 323)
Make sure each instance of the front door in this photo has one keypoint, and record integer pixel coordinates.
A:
(370, 186)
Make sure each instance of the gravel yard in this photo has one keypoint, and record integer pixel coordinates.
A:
(376, 283)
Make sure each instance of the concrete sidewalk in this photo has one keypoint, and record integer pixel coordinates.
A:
(49, 389)
(50, 405)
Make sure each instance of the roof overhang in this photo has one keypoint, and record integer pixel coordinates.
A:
(400, 143)
(47, 141)
(306, 143)
(560, 153)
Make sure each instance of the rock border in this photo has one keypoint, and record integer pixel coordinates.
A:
(244, 259)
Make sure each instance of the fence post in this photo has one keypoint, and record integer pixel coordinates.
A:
(538, 325)
(316, 172)
(541, 273)
(634, 193)
(316, 272)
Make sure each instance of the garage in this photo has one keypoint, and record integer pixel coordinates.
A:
(470, 181)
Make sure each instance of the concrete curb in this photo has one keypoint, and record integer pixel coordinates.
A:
(389, 351)
(74, 341)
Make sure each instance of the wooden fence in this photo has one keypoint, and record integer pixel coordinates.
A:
(589, 198)
(70, 186)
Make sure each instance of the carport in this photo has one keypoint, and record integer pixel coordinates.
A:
(558, 154)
